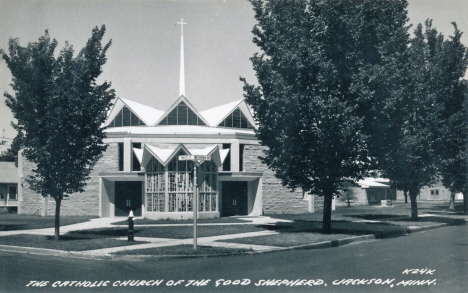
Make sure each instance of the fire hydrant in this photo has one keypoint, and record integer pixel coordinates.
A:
(130, 226)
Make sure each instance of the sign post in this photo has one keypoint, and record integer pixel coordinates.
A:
(197, 161)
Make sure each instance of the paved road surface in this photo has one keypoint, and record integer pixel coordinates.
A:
(442, 252)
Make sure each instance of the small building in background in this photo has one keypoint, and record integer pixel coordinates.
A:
(8, 186)
(434, 192)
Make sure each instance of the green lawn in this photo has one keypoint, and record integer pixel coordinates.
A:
(288, 239)
(182, 250)
(66, 243)
(11, 221)
(180, 232)
(375, 212)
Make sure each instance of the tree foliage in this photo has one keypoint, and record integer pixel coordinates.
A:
(315, 101)
(426, 132)
(12, 152)
(60, 108)
(408, 159)
(451, 89)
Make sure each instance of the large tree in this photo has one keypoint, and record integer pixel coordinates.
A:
(451, 89)
(315, 101)
(61, 109)
(409, 160)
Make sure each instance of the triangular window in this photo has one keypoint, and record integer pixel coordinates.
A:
(126, 118)
(182, 115)
(236, 119)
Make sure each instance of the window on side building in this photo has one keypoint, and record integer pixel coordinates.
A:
(121, 156)
(12, 192)
(241, 157)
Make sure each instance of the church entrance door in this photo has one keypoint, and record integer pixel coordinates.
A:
(234, 201)
(127, 198)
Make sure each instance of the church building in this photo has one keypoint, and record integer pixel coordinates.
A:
(142, 171)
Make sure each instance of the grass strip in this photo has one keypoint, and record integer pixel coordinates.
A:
(182, 250)
(181, 232)
(288, 239)
(66, 243)
(11, 221)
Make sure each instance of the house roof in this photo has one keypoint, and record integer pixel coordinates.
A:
(147, 114)
(177, 129)
(176, 103)
(152, 117)
(373, 182)
(8, 172)
(217, 114)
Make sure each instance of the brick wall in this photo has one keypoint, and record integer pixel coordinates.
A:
(277, 199)
(78, 204)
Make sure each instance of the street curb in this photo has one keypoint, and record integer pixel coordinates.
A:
(319, 245)
(82, 255)
(435, 226)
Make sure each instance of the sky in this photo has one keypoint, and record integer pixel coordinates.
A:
(143, 61)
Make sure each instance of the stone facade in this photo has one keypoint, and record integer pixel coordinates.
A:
(277, 199)
(78, 204)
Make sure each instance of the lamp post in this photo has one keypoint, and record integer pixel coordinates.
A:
(195, 205)
(197, 161)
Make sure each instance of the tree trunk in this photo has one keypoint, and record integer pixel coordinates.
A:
(452, 201)
(405, 192)
(465, 201)
(327, 210)
(413, 193)
(349, 203)
(58, 201)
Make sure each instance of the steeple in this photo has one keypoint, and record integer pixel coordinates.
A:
(182, 70)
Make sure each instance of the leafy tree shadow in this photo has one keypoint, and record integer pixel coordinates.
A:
(380, 230)
(100, 233)
(12, 227)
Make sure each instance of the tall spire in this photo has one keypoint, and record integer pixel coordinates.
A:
(182, 70)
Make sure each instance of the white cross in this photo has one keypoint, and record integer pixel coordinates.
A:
(182, 25)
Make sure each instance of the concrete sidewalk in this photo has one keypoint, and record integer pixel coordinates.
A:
(100, 223)
(202, 241)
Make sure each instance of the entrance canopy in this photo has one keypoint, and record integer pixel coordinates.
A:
(165, 153)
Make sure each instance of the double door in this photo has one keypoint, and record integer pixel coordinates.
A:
(234, 198)
(128, 198)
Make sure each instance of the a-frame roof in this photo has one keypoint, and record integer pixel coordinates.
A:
(165, 155)
(176, 103)
(216, 115)
(145, 113)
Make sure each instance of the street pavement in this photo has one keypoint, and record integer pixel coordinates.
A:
(430, 261)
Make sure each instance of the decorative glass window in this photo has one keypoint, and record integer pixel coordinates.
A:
(182, 115)
(155, 186)
(126, 118)
(180, 187)
(208, 188)
(236, 119)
